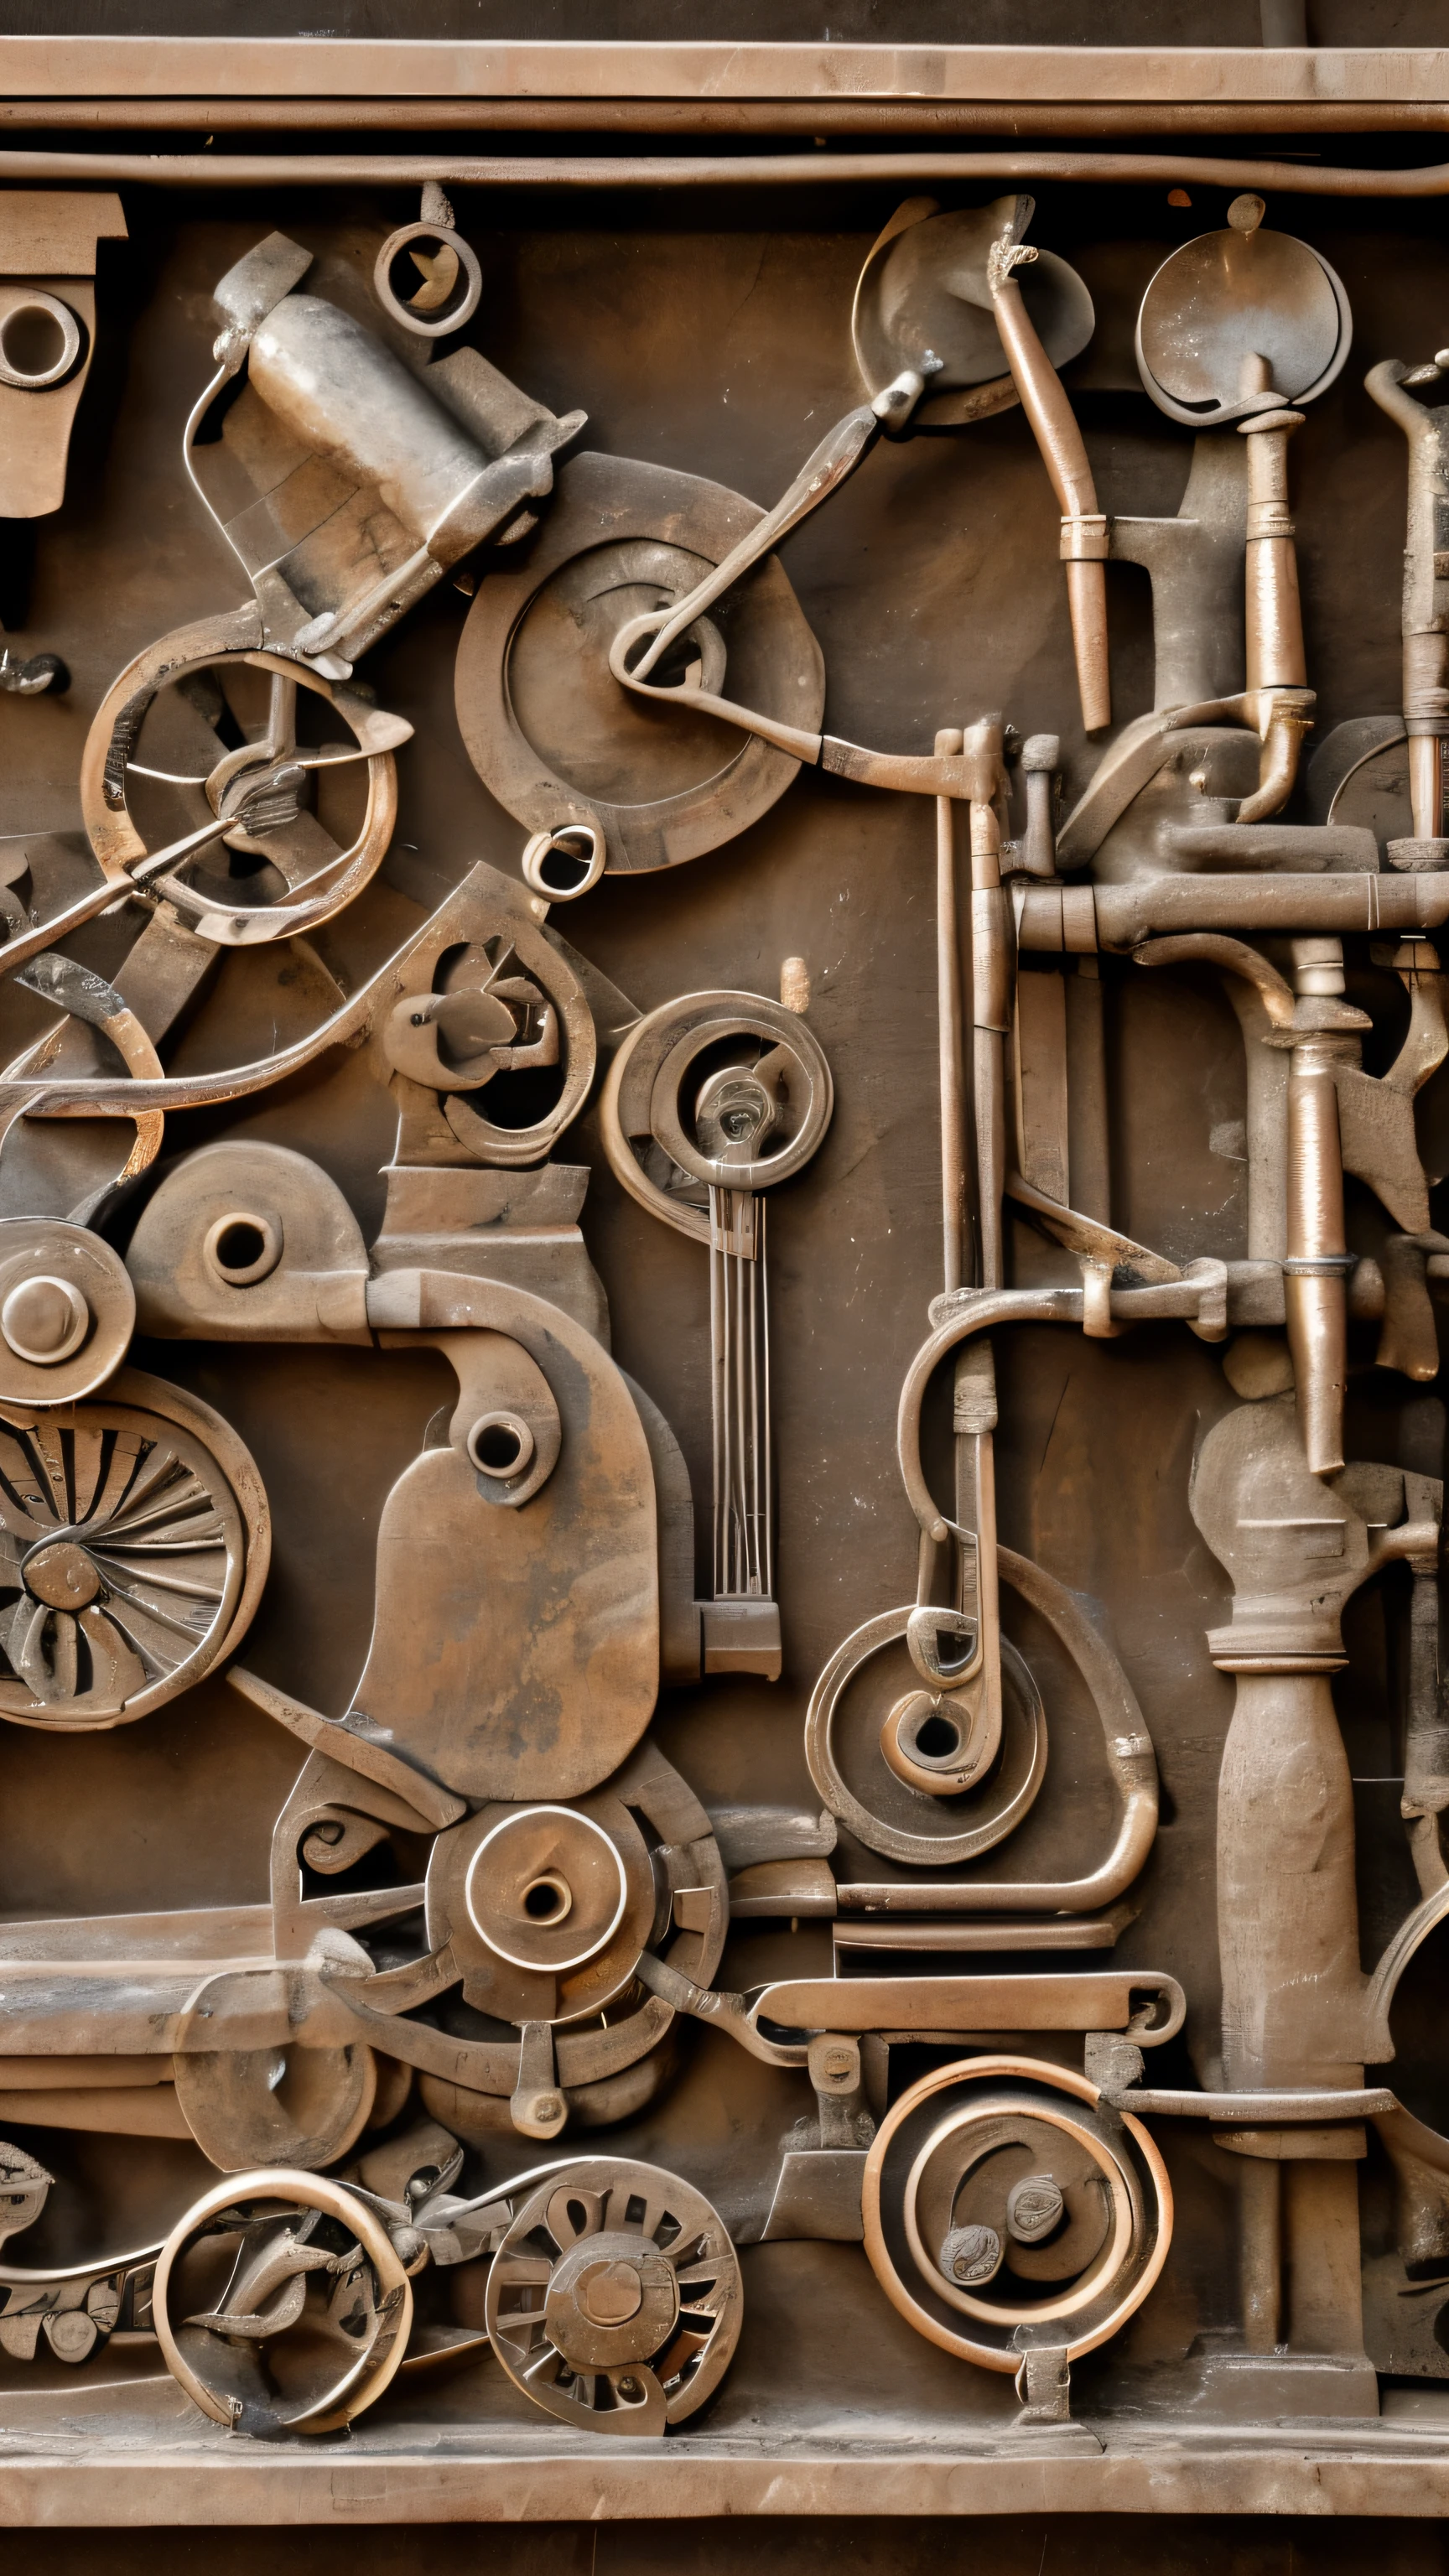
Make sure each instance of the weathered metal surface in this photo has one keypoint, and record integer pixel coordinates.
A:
(783, 1862)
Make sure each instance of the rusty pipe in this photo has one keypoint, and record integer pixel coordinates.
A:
(951, 1036)
(1293, 1991)
(1315, 1285)
(1260, 2251)
(1084, 528)
(1277, 670)
(1084, 918)
(990, 996)
(409, 171)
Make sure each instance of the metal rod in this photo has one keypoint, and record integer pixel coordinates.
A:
(1064, 454)
(711, 170)
(951, 1036)
(717, 1423)
(482, 113)
(1316, 1301)
(767, 1435)
(990, 971)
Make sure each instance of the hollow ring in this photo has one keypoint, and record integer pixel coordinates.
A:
(36, 300)
(392, 303)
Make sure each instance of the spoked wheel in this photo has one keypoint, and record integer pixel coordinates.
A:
(256, 796)
(133, 1549)
(614, 2301)
(281, 2304)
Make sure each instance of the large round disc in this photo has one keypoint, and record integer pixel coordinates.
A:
(553, 734)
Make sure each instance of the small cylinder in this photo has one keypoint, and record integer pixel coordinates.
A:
(344, 393)
(1275, 656)
(1316, 1301)
(1426, 785)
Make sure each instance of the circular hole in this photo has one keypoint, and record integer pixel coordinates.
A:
(563, 869)
(240, 1245)
(241, 1248)
(500, 1445)
(33, 342)
(428, 278)
(938, 1737)
(680, 665)
(546, 1901)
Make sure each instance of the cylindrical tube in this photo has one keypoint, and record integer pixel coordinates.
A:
(990, 1012)
(1316, 1298)
(1426, 782)
(1275, 658)
(1054, 426)
(342, 391)
(951, 1036)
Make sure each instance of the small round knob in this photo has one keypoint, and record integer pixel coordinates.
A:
(61, 1575)
(971, 2256)
(45, 1320)
(1033, 2208)
(611, 2295)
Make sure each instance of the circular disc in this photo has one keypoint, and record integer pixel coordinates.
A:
(311, 872)
(135, 1554)
(923, 292)
(274, 2106)
(574, 2307)
(1226, 299)
(549, 729)
(546, 1907)
(33, 1249)
(636, 1092)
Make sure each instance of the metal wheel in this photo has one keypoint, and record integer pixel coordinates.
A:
(281, 2305)
(273, 791)
(1003, 2210)
(133, 1548)
(614, 2301)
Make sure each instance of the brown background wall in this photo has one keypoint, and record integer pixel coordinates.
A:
(1095, 2545)
(1020, 22)
(1030, 2545)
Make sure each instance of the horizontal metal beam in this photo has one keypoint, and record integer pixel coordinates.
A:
(1026, 75)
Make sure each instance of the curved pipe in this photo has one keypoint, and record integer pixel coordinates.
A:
(1235, 957)
(1130, 1760)
(1064, 454)
(1007, 1306)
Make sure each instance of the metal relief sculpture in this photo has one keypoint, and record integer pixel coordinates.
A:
(477, 2089)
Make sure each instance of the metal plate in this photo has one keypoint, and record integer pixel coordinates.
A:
(548, 728)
